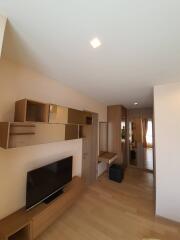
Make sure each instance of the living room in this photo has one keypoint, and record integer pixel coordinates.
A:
(96, 83)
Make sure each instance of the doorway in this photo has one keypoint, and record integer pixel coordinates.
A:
(140, 132)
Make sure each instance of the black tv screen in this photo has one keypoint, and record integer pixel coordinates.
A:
(46, 180)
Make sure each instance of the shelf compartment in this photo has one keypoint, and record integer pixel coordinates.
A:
(22, 133)
(71, 132)
(22, 129)
(31, 111)
(22, 234)
(15, 125)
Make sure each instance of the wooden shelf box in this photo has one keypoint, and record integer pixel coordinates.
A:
(31, 111)
(40, 123)
(11, 133)
(59, 114)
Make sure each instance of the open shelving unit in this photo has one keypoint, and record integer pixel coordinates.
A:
(40, 123)
(31, 111)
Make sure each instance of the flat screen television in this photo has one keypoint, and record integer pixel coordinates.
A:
(44, 182)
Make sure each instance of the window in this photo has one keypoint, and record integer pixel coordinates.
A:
(149, 138)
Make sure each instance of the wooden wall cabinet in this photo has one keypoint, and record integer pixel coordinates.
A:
(15, 135)
(75, 116)
(59, 114)
(28, 225)
(11, 131)
(39, 123)
(31, 111)
(71, 132)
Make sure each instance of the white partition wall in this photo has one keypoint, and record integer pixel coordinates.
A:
(167, 151)
(2, 30)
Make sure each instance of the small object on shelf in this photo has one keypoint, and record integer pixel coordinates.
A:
(116, 173)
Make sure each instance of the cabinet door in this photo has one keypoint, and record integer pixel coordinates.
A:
(71, 132)
(4, 134)
(20, 110)
(75, 116)
(58, 114)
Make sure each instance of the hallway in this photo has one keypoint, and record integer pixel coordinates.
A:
(111, 211)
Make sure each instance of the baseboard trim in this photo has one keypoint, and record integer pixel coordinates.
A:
(167, 220)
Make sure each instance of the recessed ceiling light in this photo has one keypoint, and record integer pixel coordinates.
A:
(136, 103)
(95, 43)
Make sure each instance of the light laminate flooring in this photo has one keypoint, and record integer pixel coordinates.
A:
(114, 211)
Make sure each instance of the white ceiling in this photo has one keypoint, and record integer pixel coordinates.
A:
(140, 44)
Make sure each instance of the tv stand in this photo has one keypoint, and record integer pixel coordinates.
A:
(28, 225)
(54, 196)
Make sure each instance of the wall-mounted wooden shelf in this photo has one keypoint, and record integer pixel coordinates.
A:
(13, 135)
(23, 133)
(28, 225)
(31, 111)
(59, 114)
(22, 125)
(39, 123)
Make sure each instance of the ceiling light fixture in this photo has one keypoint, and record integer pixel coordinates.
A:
(136, 103)
(95, 43)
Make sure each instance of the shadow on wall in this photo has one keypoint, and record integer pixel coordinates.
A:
(18, 48)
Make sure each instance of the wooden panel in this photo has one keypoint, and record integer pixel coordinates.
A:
(58, 114)
(22, 129)
(44, 133)
(29, 110)
(14, 135)
(53, 211)
(87, 118)
(107, 157)
(117, 119)
(4, 134)
(22, 234)
(71, 132)
(37, 112)
(75, 116)
(45, 113)
(20, 110)
(114, 130)
(14, 223)
(103, 137)
(90, 151)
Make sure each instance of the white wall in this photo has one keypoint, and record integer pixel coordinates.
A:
(2, 30)
(18, 82)
(167, 150)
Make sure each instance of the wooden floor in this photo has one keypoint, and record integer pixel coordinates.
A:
(109, 210)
